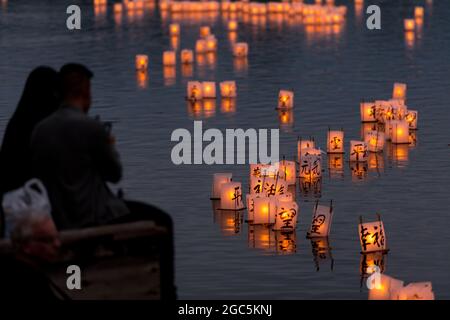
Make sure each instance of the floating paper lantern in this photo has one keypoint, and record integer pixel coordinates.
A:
(274, 187)
(358, 151)
(372, 236)
(232, 25)
(382, 287)
(335, 141)
(187, 56)
(200, 46)
(368, 112)
(321, 221)
(311, 166)
(419, 12)
(375, 141)
(118, 8)
(264, 210)
(411, 118)
(228, 89)
(209, 89)
(231, 196)
(194, 90)
(211, 43)
(286, 215)
(205, 31)
(288, 171)
(285, 99)
(169, 58)
(141, 62)
(174, 30)
(240, 49)
(409, 24)
(218, 180)
(400, 131)
(303, 145)
(399, 91)
(414, 291)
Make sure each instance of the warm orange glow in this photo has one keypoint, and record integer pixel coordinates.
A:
(118, 8)
(232, 25)
(141, 62)
(211, 43)
(419, 12)
(186, 56)
(142, 78)
(169, 73)
(232, 37)
(205, 31)
(169, 58)
(209, 89)
(174, 29)
(409, 24)
(228, 105)
(200, 46)
(410, 38)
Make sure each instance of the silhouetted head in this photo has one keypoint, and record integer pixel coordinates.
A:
(76, 86)
(40, 97)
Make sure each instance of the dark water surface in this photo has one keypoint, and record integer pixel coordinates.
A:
(330, 72)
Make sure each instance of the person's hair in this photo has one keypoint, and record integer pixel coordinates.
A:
(23, 229)
(73, 79)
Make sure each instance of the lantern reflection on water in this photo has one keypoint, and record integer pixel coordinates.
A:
(359, 170)
(231, 196)
(321, 221)
(169, 73)
(286, 242)
(310, 188)
(369, 262)
(376, 162)
(321, 251)
(142, 78)
(358, 151)
(200, 46)
(398, 153)
(240, 64)
(261, 237)
(230, 222)
(228, 89)
(335, 141)
(228, 106)
(194, 108)
(187, 56)
(286, 119)
(372, 236)
(382, 287)
(336, 165)
(211, 43)
(141, 62)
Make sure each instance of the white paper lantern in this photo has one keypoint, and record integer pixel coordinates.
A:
(412, 118)
(240, 49)
(375, 141)
(264, 210)
(288, 171)
(200, 46)
(321, 221)
(335, 141)
(250, 198)
(141, 62)
(209, 89)
(414, 291)
(311, 166)
(218, 179)
(368, 112)
(169, 58)
(187, 56)
(372, 236)
(383, 287)
(302, 146)
(358, 151)
(231, 196)
(399, 91)
(211, 43)
(285, 99)
(194, 90)
(228, 89)
(205, 31)
(286, 215)
(399, 131)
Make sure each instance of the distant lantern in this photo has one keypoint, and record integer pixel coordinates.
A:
(285, 99)
(232, 25)
(414, 291)
(194, 90)
(311, 167)
(231, 196)
(169, 58)
(218, 180)
(174, 29)
(200, 46)
(412, 118)
(264, 210)
(187, 56)
(228, 89)
(399, 91)
(321, 221)
(141, 62)
(211, 43)
(205, 31)
(240, 49)
(409, 25)
(372, 236)
(399, 131)
(288, 171)
(286, 215)
(358, 151)
(118, 8)
(419, 12)
(303, 145)
(368, 112)
(209, 89)
(383, 287)
(335, 143)
(375, 140)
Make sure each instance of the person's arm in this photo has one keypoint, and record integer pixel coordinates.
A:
(104, 154)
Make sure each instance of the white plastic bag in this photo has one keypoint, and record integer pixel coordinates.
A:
(31, 198)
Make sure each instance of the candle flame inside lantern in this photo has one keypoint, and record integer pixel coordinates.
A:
(409, 24)
(418, 12)
(174, 29)
(141, 62)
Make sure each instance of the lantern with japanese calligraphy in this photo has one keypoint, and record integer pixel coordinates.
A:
(372, 236)
(200, 46)
(174, 30)
(414, 291)
(399, 131)
(368, 113)
(205, 31)
(409, 25)
(375, 141)
(286, 215)
(141, 62)
(250, 199)
(335, 143)
(264, 210)
(169, 58)
(209, 89)
(273, 187)
(288, 171)
(321, 221)
(399, 91)
(359, 170)
(240, 49)
(228, 89)
(231, 196)
(358, 151)
(286, 242)
(311, 166)
(382, 287)
(303, 145)
(218, 180)
(285, 99)
(411, 118)
(194, 90)
(187, 56)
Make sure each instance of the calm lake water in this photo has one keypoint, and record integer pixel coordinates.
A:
(330, 70)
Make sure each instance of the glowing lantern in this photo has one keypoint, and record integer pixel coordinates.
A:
(372, 236)
(400, 131)
(200, 46)
(375, 141)
(169, 58)
(321, 221)
(211, 43)
(285, 99)
(205, 31)
(419, 12)
(288, 171)
(228, 89)
(118, 8)
(258, 170)
(411, 118)
(228, 105)
(382, 287)
(414, 291)
(358, 151)
(303, 145)
(141, 62)
(232, 25)
(186, 56)
(368, 112)
(209, 89)
(250, 199)
(194, 90)
(399, 92)
(231, 196)
(311, 167)
(240, 49)
(409, 24)
(286, 215)
(174, 30)
(335, 141)
(218, 179)
(264, 210)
